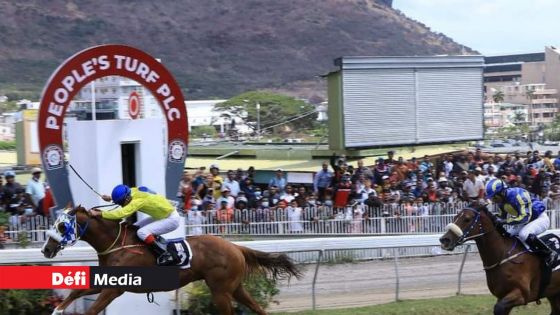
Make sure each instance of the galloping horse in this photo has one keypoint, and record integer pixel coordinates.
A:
(513, 274)
(223, 265)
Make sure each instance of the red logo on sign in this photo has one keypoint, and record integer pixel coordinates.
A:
(134, 105)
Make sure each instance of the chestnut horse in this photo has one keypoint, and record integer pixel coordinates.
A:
(513, 274)
(222, 264)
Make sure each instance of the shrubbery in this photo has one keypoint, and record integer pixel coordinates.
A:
(260, 287)
(24, 302)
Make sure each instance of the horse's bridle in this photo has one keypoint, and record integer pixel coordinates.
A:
(73, 231)
(465, 236)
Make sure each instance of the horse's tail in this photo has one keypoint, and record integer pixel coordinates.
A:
(279, 266)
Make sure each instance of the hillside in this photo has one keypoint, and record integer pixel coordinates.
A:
(215, 48)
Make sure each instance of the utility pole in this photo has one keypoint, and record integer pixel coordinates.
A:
(258, 121)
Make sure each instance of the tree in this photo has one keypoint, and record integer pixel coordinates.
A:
(498, 97)
(275, 110)
(518, 117)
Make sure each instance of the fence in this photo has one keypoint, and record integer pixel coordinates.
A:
(314, 221)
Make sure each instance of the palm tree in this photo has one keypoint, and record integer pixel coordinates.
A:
(518, 117)
(498, 97)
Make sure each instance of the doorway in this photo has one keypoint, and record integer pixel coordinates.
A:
(128, 160)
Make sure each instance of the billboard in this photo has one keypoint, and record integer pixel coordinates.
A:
(387, 101)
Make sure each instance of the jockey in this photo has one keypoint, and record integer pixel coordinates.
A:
(526, 217)
(162, 216)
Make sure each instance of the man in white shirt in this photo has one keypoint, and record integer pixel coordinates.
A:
(448, 164)
(231, 184)
(35, 190)
(473, 188)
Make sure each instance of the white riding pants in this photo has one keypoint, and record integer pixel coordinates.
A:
(150, 225)
(536, 227)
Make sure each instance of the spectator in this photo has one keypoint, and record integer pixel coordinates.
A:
(252, 193)
(206, 187)
(322, 181)
(556, 162)
(401, 169)
(185, 191)
(390, 161)
(302, 196)
(443, 191)
(218, 180)
(426, 166)
(224, 215)
(407, 194)
(288, 194)
(412, 164)
(547, 161)
(273, 195)
(448, 164)
(362, 170)
(231, 184)
(11, 193)
(473, 188)
(278, 180)
(225, 196)
(35, 191)
(294, 212)
(380, 171)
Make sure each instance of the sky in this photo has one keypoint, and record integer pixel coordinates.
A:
(491, 27)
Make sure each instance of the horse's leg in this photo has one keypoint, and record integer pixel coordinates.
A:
(107, 296)
(222, 300)
(504, 305)
(75, 294)
(243, 297)
(554, 304)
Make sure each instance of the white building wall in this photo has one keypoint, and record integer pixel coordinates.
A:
(94, 151)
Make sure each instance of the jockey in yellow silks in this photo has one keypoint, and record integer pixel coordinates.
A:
(162, 215)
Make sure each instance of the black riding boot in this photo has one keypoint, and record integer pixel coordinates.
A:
(158, 251)
(542, 249)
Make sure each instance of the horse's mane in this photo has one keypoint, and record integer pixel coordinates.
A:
(484, 209)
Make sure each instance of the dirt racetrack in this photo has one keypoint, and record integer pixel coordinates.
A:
(374, 282)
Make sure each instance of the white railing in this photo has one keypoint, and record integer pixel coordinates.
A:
(309, 222)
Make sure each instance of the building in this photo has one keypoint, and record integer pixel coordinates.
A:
(528, 79)
(498, 115)
(112, 93)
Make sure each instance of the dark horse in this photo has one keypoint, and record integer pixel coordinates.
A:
(513, 274)
(223, 265)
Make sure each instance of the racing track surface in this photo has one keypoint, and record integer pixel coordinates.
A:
(373, 282)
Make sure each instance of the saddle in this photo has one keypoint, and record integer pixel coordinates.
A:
(177, 252)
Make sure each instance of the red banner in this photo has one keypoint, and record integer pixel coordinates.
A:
(44, 277)
(85, 277)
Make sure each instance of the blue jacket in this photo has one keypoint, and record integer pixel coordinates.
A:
(519, 207)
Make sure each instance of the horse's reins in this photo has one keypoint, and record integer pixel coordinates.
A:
(464, 237)
(110, 249)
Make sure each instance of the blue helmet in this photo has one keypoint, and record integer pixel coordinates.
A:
(119, 194)
(495, 186)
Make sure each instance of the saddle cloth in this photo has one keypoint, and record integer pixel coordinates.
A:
(181, 248)
(553, 242)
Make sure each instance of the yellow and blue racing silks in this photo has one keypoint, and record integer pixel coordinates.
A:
(145, 201)
(519, 206)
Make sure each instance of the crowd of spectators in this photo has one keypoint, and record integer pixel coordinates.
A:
(18, 202)
(393, 187)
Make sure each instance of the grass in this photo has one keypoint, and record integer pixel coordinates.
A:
(458, 305)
